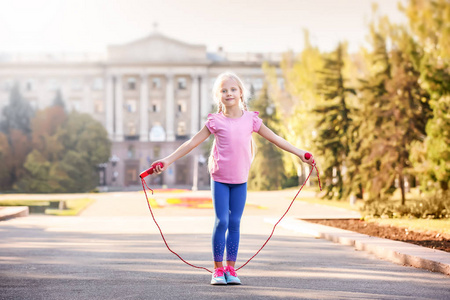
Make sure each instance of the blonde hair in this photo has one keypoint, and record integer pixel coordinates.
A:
(217, 99)
(218, 86)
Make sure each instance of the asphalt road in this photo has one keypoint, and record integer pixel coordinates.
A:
(114, 251)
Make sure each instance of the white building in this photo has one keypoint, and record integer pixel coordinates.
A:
(151, 95)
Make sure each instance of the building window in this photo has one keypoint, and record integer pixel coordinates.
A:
(97, 84)
(131, 105)
(131, 83)
(75, 105)
(131, 151)
(98, 106)
(155, 107)
(76, 84)
(156, 152)
(156, 83)
(182, 83)
(131, 129)
(181, 129)
(181, 106)
(157, 133)
(53, 84)
(131, 175)
(29, 85)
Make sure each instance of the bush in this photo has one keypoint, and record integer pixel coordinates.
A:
(433, 207)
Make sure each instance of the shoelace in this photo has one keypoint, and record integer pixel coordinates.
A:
(231, 270)
(218, 272)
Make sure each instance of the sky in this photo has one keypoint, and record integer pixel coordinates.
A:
(74, 26)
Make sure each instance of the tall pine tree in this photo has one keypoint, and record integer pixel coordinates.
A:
(394, 113)
(17, 114)
(333, 141)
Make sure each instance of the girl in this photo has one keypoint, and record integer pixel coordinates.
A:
(229, 165)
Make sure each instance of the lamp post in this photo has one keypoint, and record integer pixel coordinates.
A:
(114, 160)
(101, 174)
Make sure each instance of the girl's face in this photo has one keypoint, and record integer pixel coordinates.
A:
(230, 93)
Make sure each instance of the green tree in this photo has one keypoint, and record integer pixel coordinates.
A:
(67, 150)
(20, 146)
(58, 100)
(37, 179)
(86, 145)
(267, 170)
(295, 100)
(333, 141)
(394, 112)
(17, 114)
(4, 157)
(44, 173)
(15, 124)
(429, 23)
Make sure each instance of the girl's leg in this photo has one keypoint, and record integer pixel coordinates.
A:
(220, 199)
(238, 196)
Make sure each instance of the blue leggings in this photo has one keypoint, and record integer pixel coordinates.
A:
(229, 202)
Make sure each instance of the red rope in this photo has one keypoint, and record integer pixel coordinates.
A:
(162, 235)
(273, 230)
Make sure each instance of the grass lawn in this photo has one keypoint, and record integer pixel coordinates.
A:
(422, 225)
(74, 206)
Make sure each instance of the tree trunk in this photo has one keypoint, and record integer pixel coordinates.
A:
(401, 180)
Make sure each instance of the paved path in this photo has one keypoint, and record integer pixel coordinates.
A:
(114, 251)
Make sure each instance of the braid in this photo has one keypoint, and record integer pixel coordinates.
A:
(244, 104)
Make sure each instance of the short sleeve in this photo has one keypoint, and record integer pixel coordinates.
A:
(211, 123)
(257, 121)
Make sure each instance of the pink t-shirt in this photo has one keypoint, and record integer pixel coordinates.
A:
(232, 154)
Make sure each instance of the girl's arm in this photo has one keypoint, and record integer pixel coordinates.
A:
(184, 149)
(269, 135)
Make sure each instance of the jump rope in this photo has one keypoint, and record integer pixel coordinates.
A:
(151, 170)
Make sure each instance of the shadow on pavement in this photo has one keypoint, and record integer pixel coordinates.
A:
(38, 263)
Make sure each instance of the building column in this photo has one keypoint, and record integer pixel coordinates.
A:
(205, 106)
(143, 108)
(109, 109)
(119, 109)
(88, 104)
(194, 105)
(170, 108)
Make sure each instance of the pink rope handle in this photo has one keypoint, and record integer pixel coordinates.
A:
(144, 184)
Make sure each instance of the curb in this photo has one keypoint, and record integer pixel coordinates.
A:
(394, 251)
(9, 212)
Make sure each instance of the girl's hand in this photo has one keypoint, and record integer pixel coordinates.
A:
(157, 167)
(308, 158)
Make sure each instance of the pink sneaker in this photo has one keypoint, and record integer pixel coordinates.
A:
(218, 278)
(231, 276)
